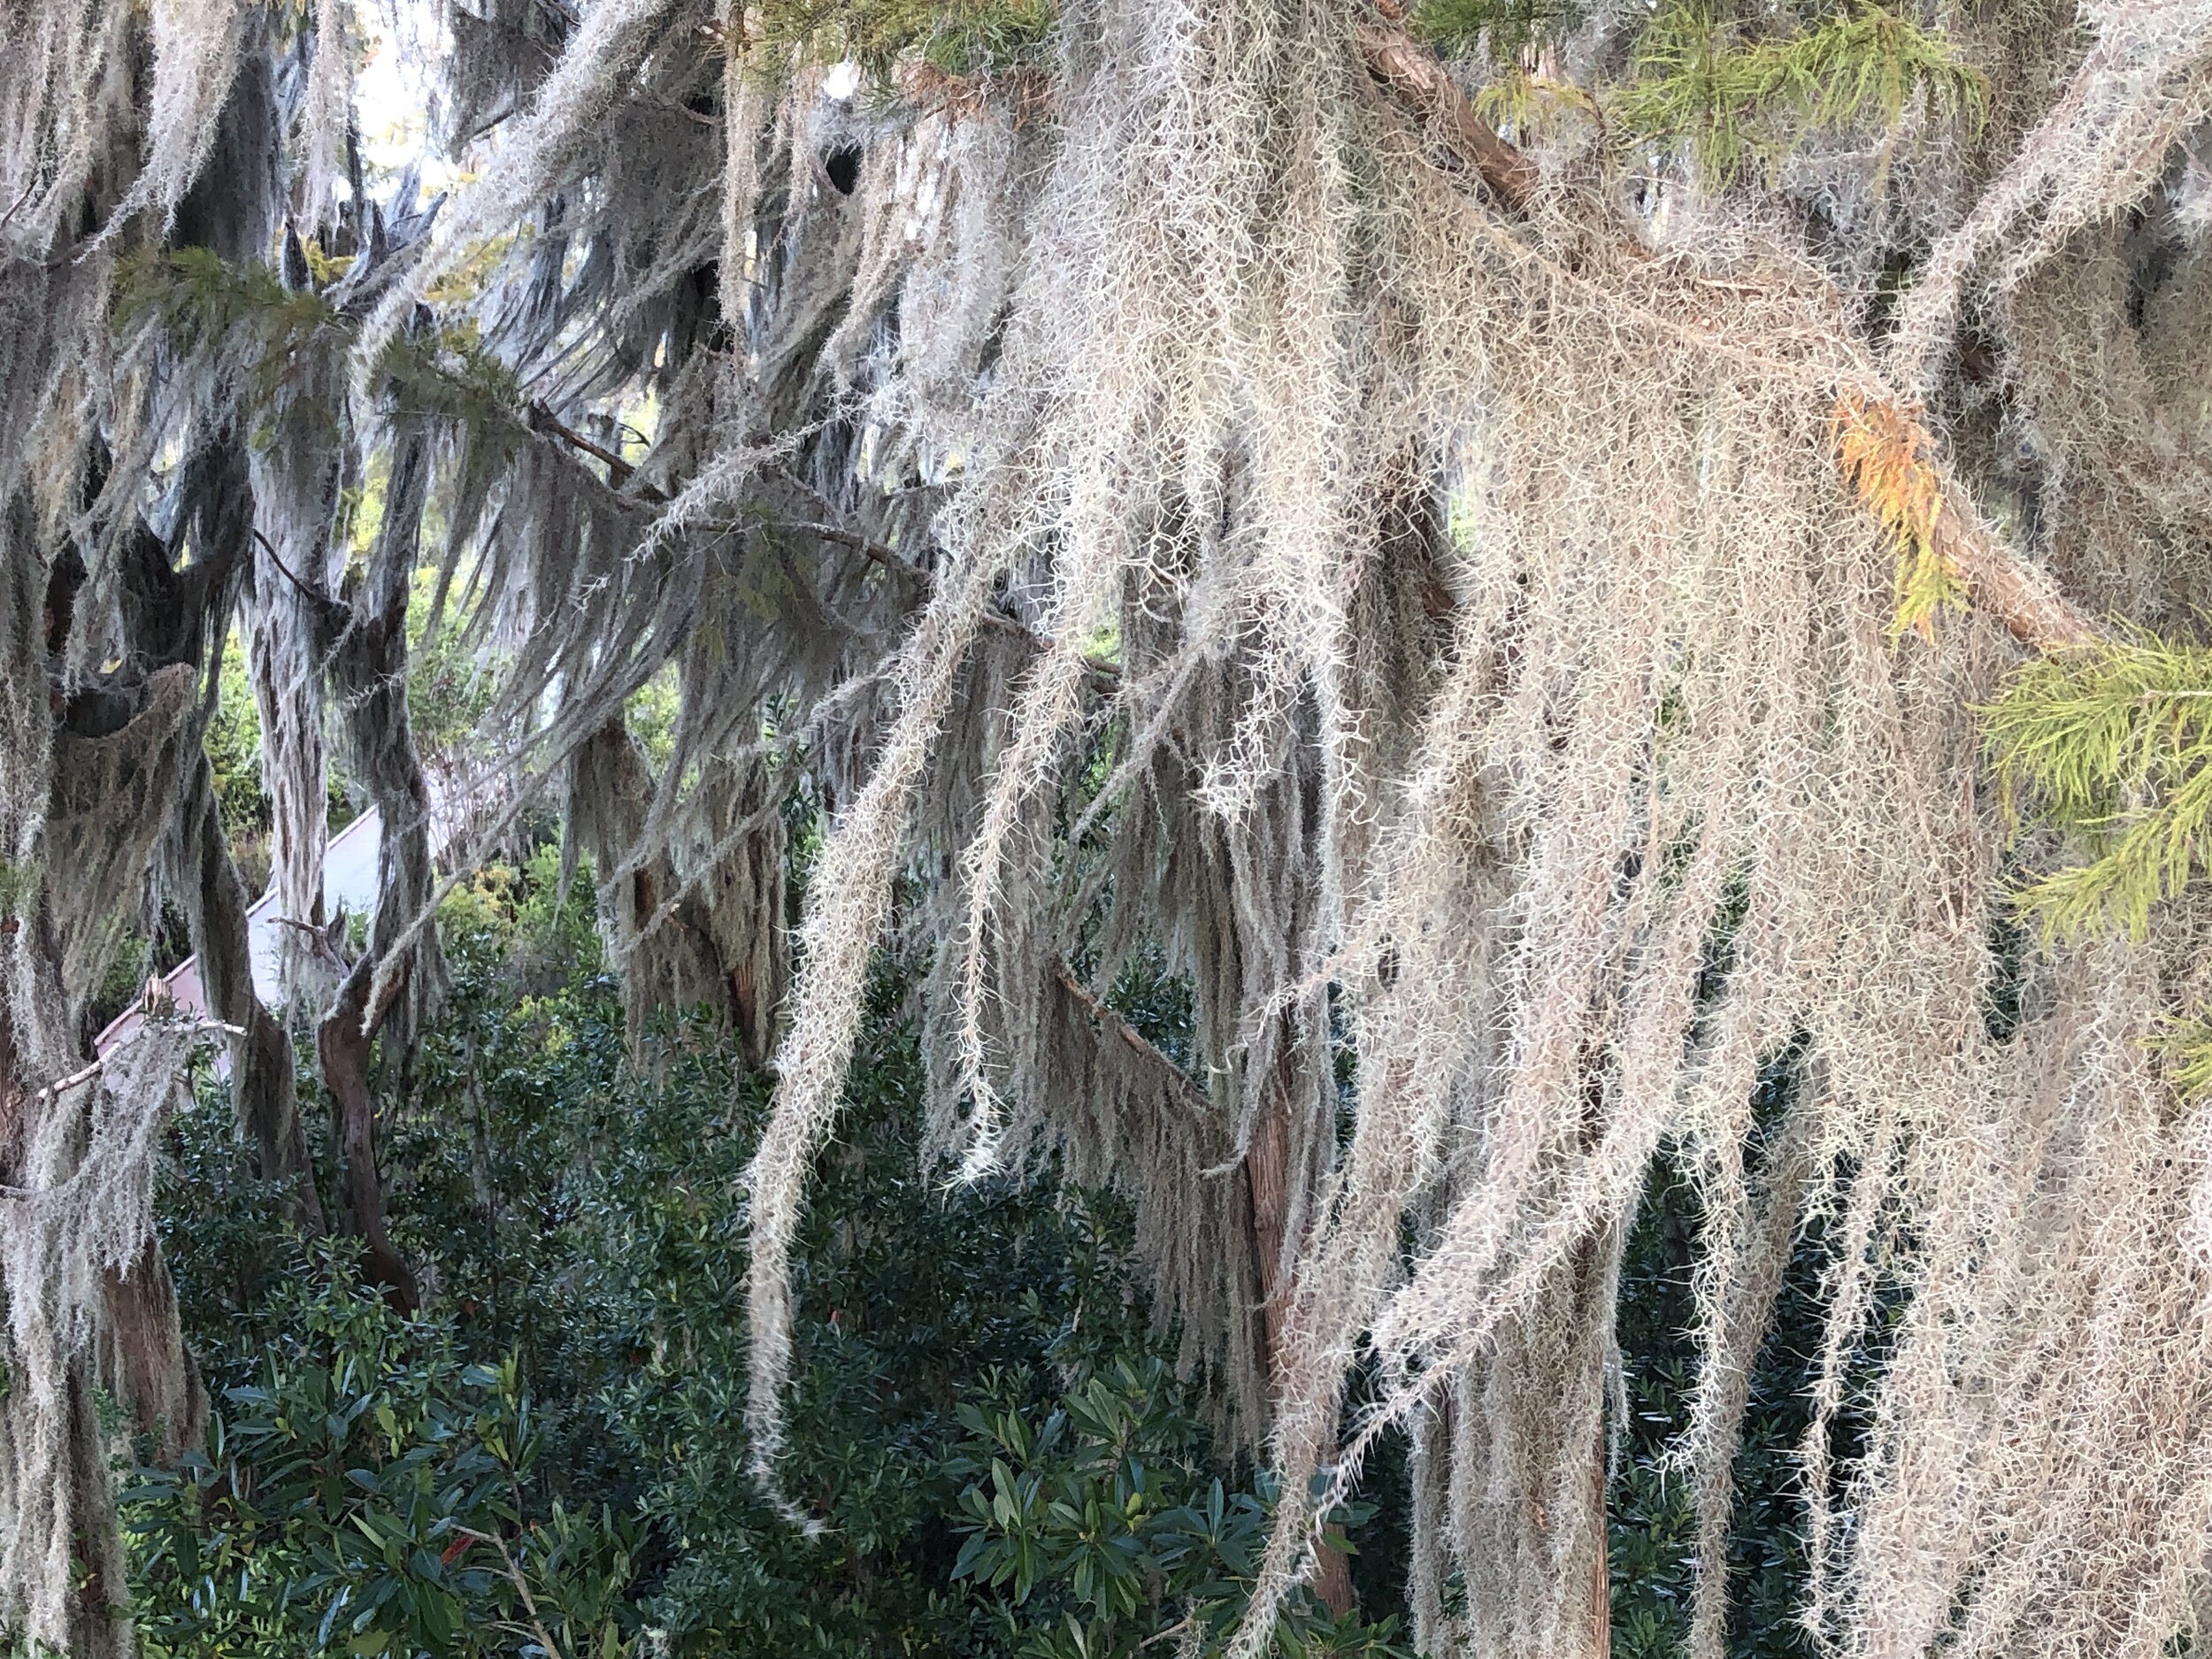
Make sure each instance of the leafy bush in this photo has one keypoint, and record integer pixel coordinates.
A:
(1103, 1522)
(993, 1457)
(567, 1417)
(370, 1495)
(1653, 1521)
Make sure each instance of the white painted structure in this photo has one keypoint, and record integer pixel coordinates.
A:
(349, 879)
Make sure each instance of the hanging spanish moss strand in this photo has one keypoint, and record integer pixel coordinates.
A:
(1498, 613)
(79, 1219)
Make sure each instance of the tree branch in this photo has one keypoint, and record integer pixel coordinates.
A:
(342, 1042)
(541, 418)
(2020, 595)
(2025, 598)
(1400, 63)
(1179, 1080)
(619, 472)
(876, 553)
(516, 1577)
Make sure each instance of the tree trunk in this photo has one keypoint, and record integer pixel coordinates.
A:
(263, 1087)
(63, 1549)
(78, 1330)
(364, 640)
(711, 933)
(343, 1044)
(280, 657)
(1268, 1189)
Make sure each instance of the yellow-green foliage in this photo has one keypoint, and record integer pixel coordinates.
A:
(200, 296)
(1529, 107)
(449, 372)
(201, 302)
(958, 38)
(17, 885)
(1736, 100)
(1884, 454)
(2113, 745)
(476, 271)
(2188, 1051)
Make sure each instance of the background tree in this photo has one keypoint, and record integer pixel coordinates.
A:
(1482, 571)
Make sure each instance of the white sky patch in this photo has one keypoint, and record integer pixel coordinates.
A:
(404, 42)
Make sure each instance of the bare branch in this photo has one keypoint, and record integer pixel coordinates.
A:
(1098, 1010)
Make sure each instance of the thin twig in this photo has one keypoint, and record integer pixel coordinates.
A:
(1183, 1082)
(1176, 1629)
(522, 1587)
(320, 938)
(876, 552)
(86, 1073)
(285, 569)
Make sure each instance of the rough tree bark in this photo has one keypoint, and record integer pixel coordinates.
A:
(170, 613)
(344, 1042)
(1267, 1180)
(390, 990)
(365, 641)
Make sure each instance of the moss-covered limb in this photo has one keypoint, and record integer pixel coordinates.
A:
(1099, 668)
(1177, 1081)
(207, 305)
(1945, 555)
(366, 665)
(263, 1084)
(1997, 579)
(2022, 596)
(1403, 64)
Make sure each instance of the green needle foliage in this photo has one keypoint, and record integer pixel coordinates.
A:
(1737, 100)
(201, 303)
(199, 298)
(1504, 28)
(2112, 746)
(2188, 1051)
(956, 37)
